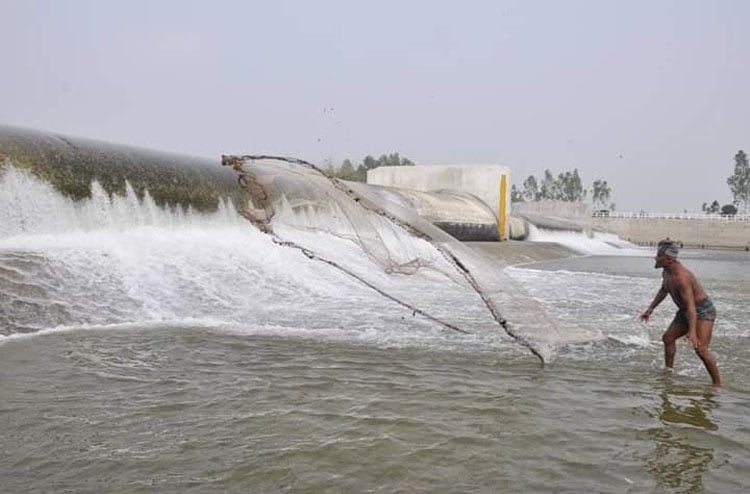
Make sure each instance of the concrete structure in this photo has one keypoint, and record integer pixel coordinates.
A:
(706, 233)
(554, 215)
(698, 231)
(490, 183)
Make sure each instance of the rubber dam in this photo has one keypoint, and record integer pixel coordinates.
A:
(371, 233)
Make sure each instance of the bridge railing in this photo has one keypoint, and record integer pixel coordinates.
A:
(671, 216)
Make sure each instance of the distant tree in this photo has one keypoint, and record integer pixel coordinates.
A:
(360, 174)
(347, 170)
(567, 186)
(600, 192)
(515, 195)
(547, 187)
(739, 182)
(571, 188)
(369, 162)
(728, 210)
(530, 189)
(712, 209)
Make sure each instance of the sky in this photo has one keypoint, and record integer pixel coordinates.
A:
(651, 96)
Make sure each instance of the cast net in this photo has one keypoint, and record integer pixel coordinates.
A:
(374, 235)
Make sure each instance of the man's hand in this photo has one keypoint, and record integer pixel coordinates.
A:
(646, 315)
(692, 338)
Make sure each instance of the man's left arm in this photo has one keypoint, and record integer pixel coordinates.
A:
(686, 294)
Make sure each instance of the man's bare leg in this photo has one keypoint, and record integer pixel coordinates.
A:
(676, 330)
(704, 330)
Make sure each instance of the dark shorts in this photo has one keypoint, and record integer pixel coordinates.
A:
(705, 309)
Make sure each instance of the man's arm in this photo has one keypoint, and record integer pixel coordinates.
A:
(686, 294)
(660, 295)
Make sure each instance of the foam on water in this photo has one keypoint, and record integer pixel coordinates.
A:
(30, 206)
(120, 262)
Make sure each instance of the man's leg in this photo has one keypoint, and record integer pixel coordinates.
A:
(704, 330)
(675, 330)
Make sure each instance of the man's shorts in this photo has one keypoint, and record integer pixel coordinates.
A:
(705, 309)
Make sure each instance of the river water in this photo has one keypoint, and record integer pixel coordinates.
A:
(152, 351)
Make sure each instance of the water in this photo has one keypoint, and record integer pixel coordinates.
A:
(188, 353)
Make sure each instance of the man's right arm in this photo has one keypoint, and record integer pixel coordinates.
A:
(660, 295)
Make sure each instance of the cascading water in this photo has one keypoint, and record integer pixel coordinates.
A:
(595, 243)
(122, 261)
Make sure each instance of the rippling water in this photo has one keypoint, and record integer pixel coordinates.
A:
(199, 357)
(250, 408)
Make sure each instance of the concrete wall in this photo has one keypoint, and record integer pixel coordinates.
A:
(552, 209)
(707, 233)
(490, 183)
(692, 232)
(554, 215)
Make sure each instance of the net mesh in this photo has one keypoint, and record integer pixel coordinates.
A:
(374, 235)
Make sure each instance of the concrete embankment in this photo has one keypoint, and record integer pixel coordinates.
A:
(706, 233)
(697, 233)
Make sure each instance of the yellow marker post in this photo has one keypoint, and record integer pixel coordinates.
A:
(502, 209)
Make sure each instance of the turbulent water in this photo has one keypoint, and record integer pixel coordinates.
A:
(147, 350)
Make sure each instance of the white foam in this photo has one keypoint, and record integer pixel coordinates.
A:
(120, 262)
(31, 207)
(594, 243)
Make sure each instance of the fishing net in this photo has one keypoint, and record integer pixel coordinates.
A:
(374, 234)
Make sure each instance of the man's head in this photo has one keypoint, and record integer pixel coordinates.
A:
(666, 253)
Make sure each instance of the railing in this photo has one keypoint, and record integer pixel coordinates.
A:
(671, 216)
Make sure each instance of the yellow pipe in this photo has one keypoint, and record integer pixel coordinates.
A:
(502, 212)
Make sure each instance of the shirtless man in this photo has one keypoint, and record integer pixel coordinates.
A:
(695, 315)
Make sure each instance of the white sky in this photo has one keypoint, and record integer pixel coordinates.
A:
(652, 96)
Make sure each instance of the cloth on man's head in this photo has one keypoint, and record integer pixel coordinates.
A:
(668, 248)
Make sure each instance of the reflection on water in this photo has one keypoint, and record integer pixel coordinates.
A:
(683, 451)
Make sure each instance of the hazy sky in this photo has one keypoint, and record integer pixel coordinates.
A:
(652, 96)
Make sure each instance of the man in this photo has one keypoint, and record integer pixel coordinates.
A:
(695, 315)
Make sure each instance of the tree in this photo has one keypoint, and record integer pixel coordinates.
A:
(739, 183)
(547, 188)
(515, 195)
(567, 187)
(571, 188)
(346, 172)
(530, 189)
(600, 192)
(358, 173)
(712, 209)
(728, 210)
(369, 162)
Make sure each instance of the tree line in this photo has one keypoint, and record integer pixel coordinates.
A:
(739, 186)
(358, 173)
(567, 186)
